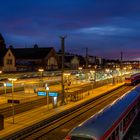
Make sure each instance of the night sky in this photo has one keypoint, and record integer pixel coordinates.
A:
(106, 27)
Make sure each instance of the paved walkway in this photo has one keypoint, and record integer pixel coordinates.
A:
(28, 94)
(33, 116)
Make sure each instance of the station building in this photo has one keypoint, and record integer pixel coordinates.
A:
(27, 59)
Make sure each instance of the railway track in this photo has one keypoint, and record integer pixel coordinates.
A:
(65, 123)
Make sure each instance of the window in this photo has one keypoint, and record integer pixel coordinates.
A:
(121, 126)
(9, 61)
(113, 136)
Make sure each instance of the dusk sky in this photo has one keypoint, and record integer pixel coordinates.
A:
(106, 27)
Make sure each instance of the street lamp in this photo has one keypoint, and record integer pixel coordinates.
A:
(41, 79)
(41, 70)
(47, 89)
(13, 109)
(4, 84)
(80, 68)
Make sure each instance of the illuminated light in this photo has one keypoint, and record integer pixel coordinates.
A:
(107, 70)
(68, 137)
(41, 70)
(55, 100)
(80, 68)
(12, 79)
(89, 66)
(66, 74)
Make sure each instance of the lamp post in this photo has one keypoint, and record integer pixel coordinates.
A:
(13, 109)
(41, 79)
(41, 70)
(47, 89)
(4, 88)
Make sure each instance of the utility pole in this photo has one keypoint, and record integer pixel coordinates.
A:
(62, 68)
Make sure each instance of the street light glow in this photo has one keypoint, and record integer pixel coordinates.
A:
(66, 74)
(80, 68)
(12, 79)
(41, 70)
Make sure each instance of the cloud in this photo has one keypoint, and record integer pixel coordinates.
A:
(104, 30)
(109, 25)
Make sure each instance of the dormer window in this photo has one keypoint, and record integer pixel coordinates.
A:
(9, 54)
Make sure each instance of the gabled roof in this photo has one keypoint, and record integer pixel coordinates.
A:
(31, 53)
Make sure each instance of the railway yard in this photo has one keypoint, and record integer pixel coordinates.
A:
(67, 116)
(34, 121)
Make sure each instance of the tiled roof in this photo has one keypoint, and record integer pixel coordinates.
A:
(31, 53)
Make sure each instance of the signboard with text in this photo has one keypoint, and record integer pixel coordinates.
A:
(8, 84)
(41, 93)
(53, 94)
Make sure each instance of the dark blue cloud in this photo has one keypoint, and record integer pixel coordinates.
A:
(106, 27)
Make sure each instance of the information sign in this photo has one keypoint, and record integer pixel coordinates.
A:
(41, 93)
(8, 84)
(53, 94)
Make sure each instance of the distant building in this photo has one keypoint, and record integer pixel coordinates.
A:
(92, 60)
(112, 64)
(95, 61)
(132, 64)
(34, 58)
(7, 59)
(27, 59)
(71, 61)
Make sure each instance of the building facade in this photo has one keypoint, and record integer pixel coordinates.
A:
(27, 59)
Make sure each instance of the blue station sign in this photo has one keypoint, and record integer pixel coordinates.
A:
(53, 94)
(41, 93)
(8, 84)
